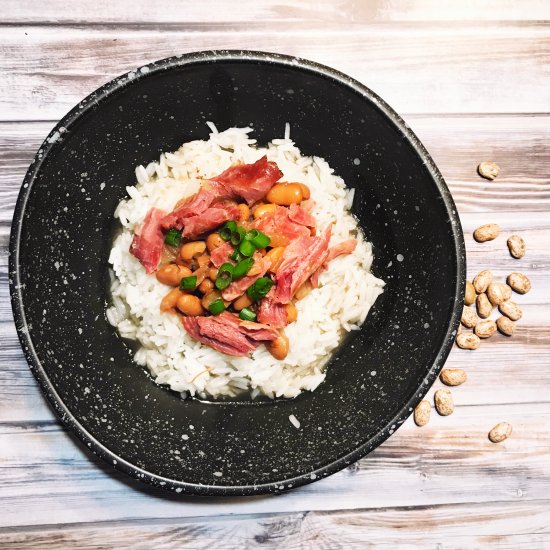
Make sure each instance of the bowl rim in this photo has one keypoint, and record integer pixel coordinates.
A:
(48, 389)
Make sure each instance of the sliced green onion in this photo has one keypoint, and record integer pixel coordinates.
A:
(242, 268)
(227, 230)
(225, 276)
(247, 314)
(173, 237)
(253, 233)
(261, 240)
(188, 283)
(236, 256)
(216, 307)
(238, 236)
(260, 288)
(246, 248)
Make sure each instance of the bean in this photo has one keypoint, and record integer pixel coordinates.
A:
(203, 259)
(484, 306)
(201, 274)
(519, 282)
(206, 286)
(291, 312)
(171, 299)
(242, 302)
(213, 241)
(264, 209)
(172, 274)
(470, 295)
(305, 191)
(278, 347)
(192, 249)
(502, 431)
(212, 273)
(275, 256)
(244, 212)
(189, 305)
(422, 413)
(482, 280)
(303, 291)
(285, 194)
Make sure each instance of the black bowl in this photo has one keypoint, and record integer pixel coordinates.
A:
(60, 243)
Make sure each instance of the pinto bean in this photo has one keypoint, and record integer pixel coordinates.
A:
(242, 302)
(291, 312)
(305, 191)
(170, 300)
(275, 256)
(285, 194)
(264, 209)
(206, 286)
(192, 249)
(172, 274)
(278, 347)
(213, 241)
(244, 212)
(189, 305)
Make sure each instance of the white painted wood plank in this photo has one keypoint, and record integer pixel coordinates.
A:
(510, 525)
(274, 11)
(435, 68)
(45, 477)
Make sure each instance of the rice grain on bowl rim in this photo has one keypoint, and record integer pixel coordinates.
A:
(347, 289)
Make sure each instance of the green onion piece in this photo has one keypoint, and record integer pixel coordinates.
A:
(246, 248)
(236, 256)
(216, 307)
(261, 240)
(260, 288)
(173, 237)
(242, 268)
(238, 236)
(252, 234)
(247, 314)
(188, 283)
(225, 276)
(227, 230)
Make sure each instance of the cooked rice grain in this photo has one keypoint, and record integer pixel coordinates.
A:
(347, 289)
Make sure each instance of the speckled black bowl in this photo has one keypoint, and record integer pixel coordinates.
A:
(58, 265)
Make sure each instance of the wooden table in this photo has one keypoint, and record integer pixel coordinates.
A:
(472, 80)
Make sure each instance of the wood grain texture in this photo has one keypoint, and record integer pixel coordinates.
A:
(471, 79)
(46, 475)
(456, 527)
(274, 11)
(48, 70)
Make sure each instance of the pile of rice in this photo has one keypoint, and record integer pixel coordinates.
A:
(341, 303)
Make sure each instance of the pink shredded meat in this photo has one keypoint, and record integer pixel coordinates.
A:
(250, 182)
(301, 258)
(191, 206)
(209, 219)
(239, 286)
(345, 247)
(220, 255)
(227, 333)
(301, 216)
(148, 240)
(271, 312)
(280, 228)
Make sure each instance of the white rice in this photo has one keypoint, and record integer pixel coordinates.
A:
(341, 303)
